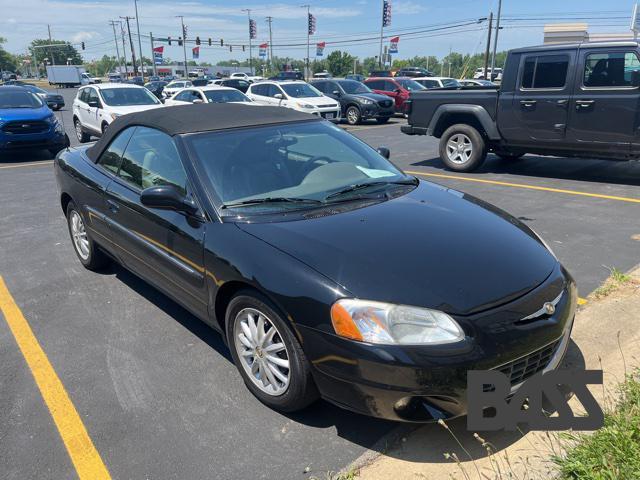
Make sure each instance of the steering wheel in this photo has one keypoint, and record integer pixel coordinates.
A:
(309, 165)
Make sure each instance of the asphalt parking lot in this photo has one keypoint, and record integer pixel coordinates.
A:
(156, 389)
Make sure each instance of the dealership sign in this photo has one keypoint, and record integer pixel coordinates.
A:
(157, 55)
(320, 48)
(393, 45)
(263, 49)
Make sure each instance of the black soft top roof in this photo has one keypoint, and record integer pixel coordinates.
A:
(176, 120)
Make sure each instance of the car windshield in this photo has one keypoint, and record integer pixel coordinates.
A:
(411, 85)
(225, 96)
(352, 87)
(272, 168)
(121, 97)
(300, 90)
(14, 99)
(450, 82)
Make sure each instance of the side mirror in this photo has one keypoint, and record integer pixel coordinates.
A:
(279, 96)
(197, 100)
(384, 151)
(94, 103)
(167, 197)
(336, 93)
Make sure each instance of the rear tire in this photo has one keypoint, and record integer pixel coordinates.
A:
(81, 135)
(287, 389)
(91, 257)
(462, 148)
(103, 127)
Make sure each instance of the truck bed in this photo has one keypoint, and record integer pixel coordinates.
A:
(425, 103)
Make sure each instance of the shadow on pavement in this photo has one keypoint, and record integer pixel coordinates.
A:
(17, 157)
(579, 169)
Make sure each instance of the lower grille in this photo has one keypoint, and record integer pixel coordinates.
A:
(28, 126)
(524, 367)
(327, 106)
(385, 103)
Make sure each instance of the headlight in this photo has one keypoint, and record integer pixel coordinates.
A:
(365, 101)
(546, 245)
(114, 115)
(385, 323)
(305, 105)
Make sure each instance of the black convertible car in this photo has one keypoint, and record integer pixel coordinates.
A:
(328, 271)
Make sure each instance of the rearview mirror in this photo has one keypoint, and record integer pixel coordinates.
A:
(167, 197)
(384, 151)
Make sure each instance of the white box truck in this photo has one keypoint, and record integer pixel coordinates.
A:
(66, 75)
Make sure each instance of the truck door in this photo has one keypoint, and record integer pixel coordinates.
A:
(604, 108)
(541, 98)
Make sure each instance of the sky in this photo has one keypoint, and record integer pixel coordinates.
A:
(425, 27)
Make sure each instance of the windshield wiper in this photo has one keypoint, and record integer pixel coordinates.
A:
(361, 186)
(257, 201)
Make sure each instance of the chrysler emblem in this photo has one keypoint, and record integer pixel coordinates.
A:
(549, 308)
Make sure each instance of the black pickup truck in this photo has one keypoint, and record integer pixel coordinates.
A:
(570, 100)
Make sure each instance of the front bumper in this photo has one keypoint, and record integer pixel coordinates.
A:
(427, 383)
(331, 114)
(48, 140)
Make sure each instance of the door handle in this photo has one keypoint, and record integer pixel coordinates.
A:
(528, 103)
(113, 206)
(584, 104)
(562, 103)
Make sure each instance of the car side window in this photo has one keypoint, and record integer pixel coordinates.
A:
(84, 93)
(390, 86)
(273, 90)
(322, 86)
(545, 71)
(611, 69)
(111, 157)
(151, 159)
(92, 96)
(183, 96)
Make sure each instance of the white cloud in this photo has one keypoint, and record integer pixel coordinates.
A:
(83, 36)
(407, 8)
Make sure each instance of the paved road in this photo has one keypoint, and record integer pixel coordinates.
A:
(156, 389)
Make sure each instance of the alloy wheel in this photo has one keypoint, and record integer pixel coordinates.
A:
(459, 148)
(262, 351)
(79, 235)
(353, 115)
(78, 131)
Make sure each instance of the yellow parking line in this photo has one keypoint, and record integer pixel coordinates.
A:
(30, 164)
(530, 187)
(582, 301)
(85, 457)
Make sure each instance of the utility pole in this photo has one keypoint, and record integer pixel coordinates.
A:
(306, 73)
(269, 21)
(124, 50)
(486, 52)
(153, 55)
(381, 33)
(184, 44)
(133, 51)
(495, 41)
(449, 57)
(53, 61)
(248, 10)
(115, 37)
(135, 2)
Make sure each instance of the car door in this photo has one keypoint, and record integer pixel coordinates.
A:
(604, 108)
(541, 98)
(274, 90)
(81, 109)
(163, 246)
(94, 105)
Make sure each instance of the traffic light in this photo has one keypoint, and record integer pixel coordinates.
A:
(221, 42)
(179, 41)
(209, 42)
(312, 24)
(231, 48)
(169, 39)
(243, 48)
(83, 45)
(198, 41)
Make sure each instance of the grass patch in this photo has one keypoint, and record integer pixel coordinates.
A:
(613, 452)
(616, 280)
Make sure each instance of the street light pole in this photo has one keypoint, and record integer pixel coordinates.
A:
(133, 52)
(495, 42)
(381, 34)
(248, 10)
(115, 37)
(270, 20)
(139, 42)
(184, 44)
(306, 73)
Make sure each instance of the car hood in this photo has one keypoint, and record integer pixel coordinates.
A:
(376, 97)
(433, 247)
(10, 114)
(133, 108)
(316, 100)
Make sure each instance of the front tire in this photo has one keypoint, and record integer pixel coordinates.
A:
(91, 257)
(267, 354)
(353, 115)
(462, 148)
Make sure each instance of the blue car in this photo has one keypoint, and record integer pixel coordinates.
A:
(27, 122)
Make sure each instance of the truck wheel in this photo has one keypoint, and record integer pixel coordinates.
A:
(462, 148)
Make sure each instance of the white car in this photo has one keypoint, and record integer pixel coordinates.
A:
(297, 95)
(210, 94)
(495, 75)
(244, 76)
(174, 87)
(472, 82)
(88, 79)
(437, 82)
(96, 106)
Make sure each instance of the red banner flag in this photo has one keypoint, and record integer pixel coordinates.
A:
(159, 49)
(195, 51)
